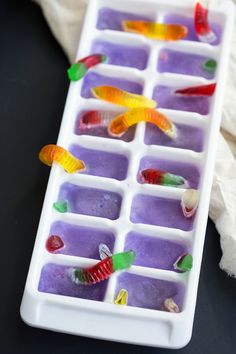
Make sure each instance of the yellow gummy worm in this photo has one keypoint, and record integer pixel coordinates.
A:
(123, 98)
(53, 153)
(119, 125)
(152, 30)
(122, 297)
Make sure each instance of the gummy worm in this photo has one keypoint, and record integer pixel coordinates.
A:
(92, 119)
(122, 297)
(189, 202)
(159, 31)
(103, 269)
(80, 68)
(202, 27)
(120, 124)
(53, 153)
(203, 90)
(184, 263)
(163, 178)
(123, 98)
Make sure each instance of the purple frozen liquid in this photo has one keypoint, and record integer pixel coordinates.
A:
(80, 240)
(166, 98)
(91, 201)
(172, 61)
(189, 23)
(160, 212)
(153, 252)
(112, 19)
(121, 54)
(188, 137)
(101, 131)
(100, 163)
(55, 279)
(186, 170)
(93, 79)
(149, 292)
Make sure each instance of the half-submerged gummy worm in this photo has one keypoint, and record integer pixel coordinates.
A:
(203, 90)
(93, 119)
(122, 98)
(163, 178)
(104, 251)
(120, 124)
(80, 68)
(103, 269)
(54, 243)
(184, 263)
(53, 153)
(171, 306)
(189, 202)
(210, 65)
(159, 31)
(122, 297)
(202, 27)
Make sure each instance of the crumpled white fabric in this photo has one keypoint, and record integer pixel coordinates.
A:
(65, 18)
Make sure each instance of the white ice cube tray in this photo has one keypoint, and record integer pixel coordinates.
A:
(106, 320)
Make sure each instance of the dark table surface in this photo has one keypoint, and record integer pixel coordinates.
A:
(33, 88)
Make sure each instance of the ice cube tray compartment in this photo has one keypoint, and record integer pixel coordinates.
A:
(159, 211)
(80, 240)
(55, 279)
(189, 171)
(122, 55)
(154, 252)
(108, 204)
(173, 61)
(147, 292)
(91, 201)
(101, 163)
(188, 22)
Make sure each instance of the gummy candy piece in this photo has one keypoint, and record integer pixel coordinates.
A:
(50, 153)
(123, 98)
(189, 202)
(163, 178)
(184, 263)
(210, 65)
(104, 251)
(92, 119)
(62, 207)
(103, 269)
(202, 27)
(120, 124)
(79, 69)
(203, 90)
(159, 31)
(122, 297)
(171, 306)
(54, 243)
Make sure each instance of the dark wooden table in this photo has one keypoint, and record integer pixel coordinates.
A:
(33, 86)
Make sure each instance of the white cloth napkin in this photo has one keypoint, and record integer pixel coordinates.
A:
(65, 18)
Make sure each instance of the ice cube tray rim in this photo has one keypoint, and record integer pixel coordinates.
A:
(173, 341)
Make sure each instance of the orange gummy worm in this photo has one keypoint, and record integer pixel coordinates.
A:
(152, 30)
(120, 124)
(53, 153)
(123, 98)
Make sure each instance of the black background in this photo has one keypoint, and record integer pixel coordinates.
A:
(33, 88)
